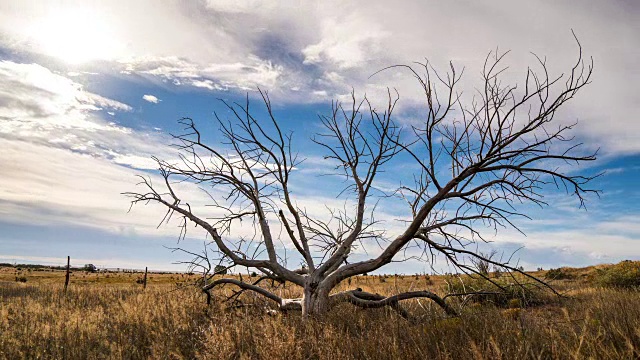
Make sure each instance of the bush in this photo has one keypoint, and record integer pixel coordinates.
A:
(220, 270)
(625, 274)
(511, 295)
(22, 279)
(559, 274)
(89, 268)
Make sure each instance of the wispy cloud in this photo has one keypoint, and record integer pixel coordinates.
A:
(220, 76)
(35, 102)
(38, 106)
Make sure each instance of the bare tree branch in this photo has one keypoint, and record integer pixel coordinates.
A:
(480, 161)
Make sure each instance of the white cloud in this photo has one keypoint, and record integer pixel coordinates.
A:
(62, 162)
(207, 84)
(345, 43)
(324, 50)
(32, 98)
(41, 107)
(299, 51)
(151, 99)
(600, 243)
(87, 191)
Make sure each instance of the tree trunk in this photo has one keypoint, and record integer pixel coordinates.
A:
(315, 301)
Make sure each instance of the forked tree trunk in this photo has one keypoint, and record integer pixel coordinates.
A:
(315, 301)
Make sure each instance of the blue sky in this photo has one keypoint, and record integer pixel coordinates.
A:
(89, 91)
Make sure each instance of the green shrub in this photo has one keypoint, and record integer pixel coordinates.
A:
(22, 279)
(625, 274)
(220, 270)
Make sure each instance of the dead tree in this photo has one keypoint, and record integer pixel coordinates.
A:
(479, 161)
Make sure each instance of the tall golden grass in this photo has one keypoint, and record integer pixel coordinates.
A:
(121, 321)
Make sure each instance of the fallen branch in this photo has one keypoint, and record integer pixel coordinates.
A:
(369, 300)
(283, 304)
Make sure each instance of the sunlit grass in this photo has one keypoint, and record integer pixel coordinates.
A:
(118, 319)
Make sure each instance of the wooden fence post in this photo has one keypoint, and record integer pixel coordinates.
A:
(144, 286)
(66, 276)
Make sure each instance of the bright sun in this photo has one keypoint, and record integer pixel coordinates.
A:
(76, 36)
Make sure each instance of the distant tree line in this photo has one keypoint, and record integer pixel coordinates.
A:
(86, 267)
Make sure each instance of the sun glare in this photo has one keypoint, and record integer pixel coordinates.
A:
(76, 36)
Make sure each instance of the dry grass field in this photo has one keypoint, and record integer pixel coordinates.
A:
(110, 316)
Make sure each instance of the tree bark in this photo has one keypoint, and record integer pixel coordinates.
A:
(315, 301)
